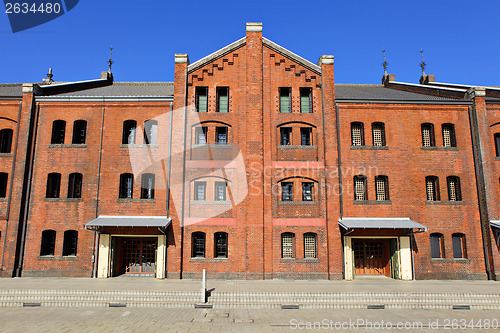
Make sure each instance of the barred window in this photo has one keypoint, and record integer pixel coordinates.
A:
(285, 99)
(449, 135)
(378, 131)
(201, 99)
(432, 188)
(129, 128)
(286, 191)
(287, 240)
(382, 188)
(198, 245)
(58, 132)
(6, 140)
(437, 245)
(454, 193)
(310, 245)
(357, 135)
(286, 136)
(200, 190)
(360, 188)
(220, 245)
(428, 135)
(201, 135)
(307, 191)
(70, 243)
(126, 185)
(79, 132)
(459, 247)
(305, 100)
(222, 99)
(48, 243)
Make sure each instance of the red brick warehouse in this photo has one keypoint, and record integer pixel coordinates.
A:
(252, 164)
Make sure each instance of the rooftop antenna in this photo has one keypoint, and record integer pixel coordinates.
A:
(385, 63)
(110, 61)
(422, 64)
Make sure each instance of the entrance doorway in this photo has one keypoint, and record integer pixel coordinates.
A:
(371, 257)
(134, 256)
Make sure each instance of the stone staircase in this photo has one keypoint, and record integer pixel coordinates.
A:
(250, 300)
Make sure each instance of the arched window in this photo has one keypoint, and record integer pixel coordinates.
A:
(360, 188)
(70, 243)
(454, 192)
(48, 243)
(150, 132)
(198, 245)
(378, 132)
(3, 184)
(437, 246)
(287, 245)
(126, 185)
(310, 245)
(75, 185)
(129, 129)
(53, 185)
(428, 135)
(382, 188)
(6, 140)
(58, 132)
(148, 186)
(79, 132)
(459, 246)
(432, 188)
(220, 245)
(357, 134)
(449, 135)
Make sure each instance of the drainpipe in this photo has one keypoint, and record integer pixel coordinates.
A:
(11, 183)
(26, 194)
(96, 234)
(341, 189)
(169, 168)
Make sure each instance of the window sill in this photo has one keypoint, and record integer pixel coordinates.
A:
(371, 147)
(213, 145)
(441, 148)
(195, 259)
(58, 258)
(299, 261)
(296, 147)
(4, 199)
(205, 202)
(427, 202)
(63, 199)
(134, 200)
(72, 145)
(138, 145)
(6, 154)
(372, 202)
(452, 261)
(298, 203)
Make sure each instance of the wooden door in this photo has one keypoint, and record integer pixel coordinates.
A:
(139, 255)
(369, 256)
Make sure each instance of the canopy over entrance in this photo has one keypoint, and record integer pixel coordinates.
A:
(352, 223)
(129, 221)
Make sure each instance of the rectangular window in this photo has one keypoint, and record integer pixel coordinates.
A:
(198, 245)
(449, 135)
(459, 250)
(221, 134)
(220, 245)
(201, 99)
(497, 144)
(432, 187)
(286, 191)
(200, 190)
(360, 188)
(382, 189)
(428, 135)
(287, 245)
(307, 191)
(378, 132)
(285, 100)
(310, 246)
(305, 100)
(201, 135)
(454, 193)
(223, 99)
(437, 250)
(148, 186)
(357, 137)
(305, 136)
(286, 135)
(220, 191)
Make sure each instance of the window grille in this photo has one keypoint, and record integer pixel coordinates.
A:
(359, 188)
(287, 245)
(378, 134)
(432, 188)
(427, 135)
(357, 134)
(449, 135)
(310, 245)
(381, 188)
(454, 193)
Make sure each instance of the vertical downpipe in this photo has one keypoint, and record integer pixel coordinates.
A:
(96, 234)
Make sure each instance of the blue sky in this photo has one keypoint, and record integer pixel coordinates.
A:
(459, 38)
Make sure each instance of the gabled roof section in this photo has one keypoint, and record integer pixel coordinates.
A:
(289, 54)
(126, 89)
(217, 54)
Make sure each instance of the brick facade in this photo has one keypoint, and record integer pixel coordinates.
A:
(236, 173)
